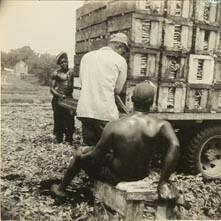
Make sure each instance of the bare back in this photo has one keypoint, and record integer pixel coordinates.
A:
(132, 139)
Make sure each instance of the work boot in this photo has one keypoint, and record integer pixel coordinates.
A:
(58, 191)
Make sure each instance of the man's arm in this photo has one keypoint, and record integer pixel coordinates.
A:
(119, 86)
(172, 154)
(54, 91)
(121, 77)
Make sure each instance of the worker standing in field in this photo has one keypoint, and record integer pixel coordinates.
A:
(62, 88)
(103, 73)
(126, 148)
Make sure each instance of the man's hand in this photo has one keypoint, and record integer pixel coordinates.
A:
(167, 191)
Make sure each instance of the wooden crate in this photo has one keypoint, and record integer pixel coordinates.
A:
(179, 9)
(77, 88)
(125, 204)
(77, 59)
(143, 64)
(215, 99)
(151, 7)
(130, 85)
(174, 67)
(201, 69)
(90, 7)
(197, 98)
(142, 29)
(91, 14)
(218, 70)
(97, 31)
(207, 39)
(171, 97)
(90, 44)
(178, 35)
(207, 12)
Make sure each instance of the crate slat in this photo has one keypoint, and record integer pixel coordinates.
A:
(119, 23)
(90, 7)
(91, 19)
(94, 31)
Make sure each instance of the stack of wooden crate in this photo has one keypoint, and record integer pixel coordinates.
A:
(175, 44)
(142, 21)
(91, 29)
(203, 94)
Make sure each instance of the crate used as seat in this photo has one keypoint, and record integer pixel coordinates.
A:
(127, 200)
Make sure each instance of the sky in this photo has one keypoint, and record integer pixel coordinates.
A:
(47, 26)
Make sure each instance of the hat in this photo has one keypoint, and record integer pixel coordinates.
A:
(143, 91)
(60, 56)
(119, 37)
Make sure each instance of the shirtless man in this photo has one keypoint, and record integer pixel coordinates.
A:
(61, 88)
(126, 147)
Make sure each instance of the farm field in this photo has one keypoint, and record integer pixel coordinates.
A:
(30, 162)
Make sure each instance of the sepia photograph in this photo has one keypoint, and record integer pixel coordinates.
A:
(110, 110)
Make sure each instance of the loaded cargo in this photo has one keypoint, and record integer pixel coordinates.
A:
(177, 45)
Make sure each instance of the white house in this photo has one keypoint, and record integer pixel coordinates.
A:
(21, 68)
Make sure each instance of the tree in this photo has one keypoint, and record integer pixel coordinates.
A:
(41, 65)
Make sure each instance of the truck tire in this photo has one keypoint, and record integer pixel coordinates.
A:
(204, 153)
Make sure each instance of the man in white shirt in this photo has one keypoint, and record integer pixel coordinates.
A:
(103, 73)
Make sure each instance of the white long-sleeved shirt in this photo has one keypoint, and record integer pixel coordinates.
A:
(103, 73)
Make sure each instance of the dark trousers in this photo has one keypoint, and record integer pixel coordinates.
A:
(92, 130)
(63, 122)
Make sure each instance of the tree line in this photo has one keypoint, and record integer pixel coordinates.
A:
(40, 65)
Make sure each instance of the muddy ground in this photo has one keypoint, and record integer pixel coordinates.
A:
(31, 162)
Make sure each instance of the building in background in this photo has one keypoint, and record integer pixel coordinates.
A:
(21, 69)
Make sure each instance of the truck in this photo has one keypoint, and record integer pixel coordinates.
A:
(176, 45)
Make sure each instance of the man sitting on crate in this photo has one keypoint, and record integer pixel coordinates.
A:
(126, 147)
(62, 88)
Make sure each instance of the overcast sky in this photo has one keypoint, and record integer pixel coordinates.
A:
(46, 26)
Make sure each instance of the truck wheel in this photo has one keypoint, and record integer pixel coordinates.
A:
(204, 153)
